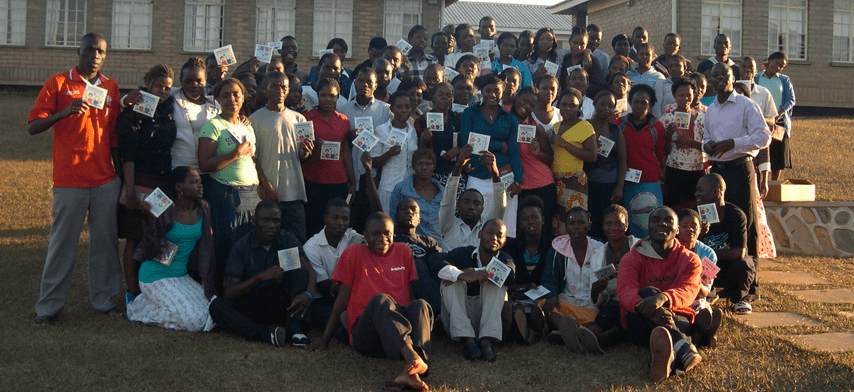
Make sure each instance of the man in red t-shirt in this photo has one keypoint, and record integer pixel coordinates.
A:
(375, 288)
(84, 180)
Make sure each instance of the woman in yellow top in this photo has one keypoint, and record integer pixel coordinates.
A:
(573, 144)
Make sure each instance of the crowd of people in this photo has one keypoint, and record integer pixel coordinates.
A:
(517, 192)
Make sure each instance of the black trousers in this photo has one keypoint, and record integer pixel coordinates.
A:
(639, 328)
(385, 327)
(246, 316)
(736, 277)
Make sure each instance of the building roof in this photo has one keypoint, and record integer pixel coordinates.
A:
(508, 17)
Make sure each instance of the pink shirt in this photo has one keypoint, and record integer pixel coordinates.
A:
(536, 174)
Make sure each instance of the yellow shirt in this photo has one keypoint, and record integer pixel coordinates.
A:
(564, 161)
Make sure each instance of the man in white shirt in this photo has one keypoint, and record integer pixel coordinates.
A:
(329, 67)
(464, 231)
(280, 152)
(735, 131)
(763, 98)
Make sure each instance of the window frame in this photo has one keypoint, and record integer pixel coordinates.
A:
(319, 40)
(783, 27)
(134, 16)
(707, 42)
(74, 40)
(208, 45)
(9, 27)
(838, 10)
(265, 35)
(403, 13)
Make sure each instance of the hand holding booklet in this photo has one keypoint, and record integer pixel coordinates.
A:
(498, 271)
(148, 104)
(536, 293)
(289, 259)
(159, 202)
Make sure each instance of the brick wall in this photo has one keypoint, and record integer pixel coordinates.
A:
(654, 15)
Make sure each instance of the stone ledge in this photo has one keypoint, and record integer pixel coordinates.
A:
(815, 228)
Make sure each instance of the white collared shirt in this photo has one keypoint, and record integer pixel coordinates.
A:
(451, 272)
(323, 256)
(455, 232)
(737, 118)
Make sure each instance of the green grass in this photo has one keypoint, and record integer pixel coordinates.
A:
(85, 350)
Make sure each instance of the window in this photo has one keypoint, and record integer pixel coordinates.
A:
(65, 22)
(275, 20)
(787, 28)
(13, 22)
(131, 24)
(843, 30)
(202, 25)
(332, 19)
(721, 16)
(400, 16)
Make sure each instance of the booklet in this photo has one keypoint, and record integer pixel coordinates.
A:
(366, 141)
(324, 51)
(507, 179)
(450, 74)
(710, 271)
(537, 292)
(458, 108)
(289, 259)
(633, 175)
(504, 67)
(622, 106)
(225, 55)
(479, 142)
(435, 122)
(551, 68)
(682, 119)
(482, 53)
(159, 202)
(363, 124)
(488, 44)
(396, 138)
(148, 104)
(498, 271)
(605, 146)
(276, 45)
(572, 68)
(167, 252)
(239, 133)
(304, 130)
(404, 46)
(526, 133)
(708, 213)
(95, 96)
(607, 273)
(263, 53)
(330, 151)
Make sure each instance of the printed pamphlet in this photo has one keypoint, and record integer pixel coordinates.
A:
(304, 130)
(148, 104)
(289, 259)
(225, 55)
(159, 202)
(498, 271)
(330, 151)
(435, 121)
(366, 141)
(479, 142)
(633, 175)
(95, 96)
(708, 213)
(526, 133)
(605, 146)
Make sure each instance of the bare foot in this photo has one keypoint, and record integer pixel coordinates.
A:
(416, 367)
(412, 381)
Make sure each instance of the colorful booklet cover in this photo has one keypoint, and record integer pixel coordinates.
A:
(708, 213)
(159, 202)
(488, 44)
(167, 252)
(572, 68)
(682, 120)
(304, 130)
(482, 53)
(606, 273)
(396, 138)
(289, 259)
(225, 55)
(498, 271)
(551, 68)
(479, 142)
(507, 179)
(458, 108)
(263, 53)
(450, 74)
(404, 46)
(324, 51)
(633, 175)
(364, 124)
(95, 96)
(526, 133)
(604, 147)
(435, 122)
(148, 104)
(366, 141)
(330, 151)
(710, 271)
(622, 106)
(276, 45)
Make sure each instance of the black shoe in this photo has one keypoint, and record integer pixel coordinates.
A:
(278, 337)
(521, 323)
(488, 353)
(41, 321)
(709, 339)
(471, 351)
(300, 340)
(554, 338)
(686, 355)
(702, 323)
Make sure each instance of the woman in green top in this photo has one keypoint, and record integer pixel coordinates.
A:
(226, 150)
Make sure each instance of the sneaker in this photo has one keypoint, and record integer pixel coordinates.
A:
(487, 352)
(41, 321)
(471, 351)
(521, 323)
(742, 307)
(662, 354)
(277, 337)
(569, 334)
(686, 355)
(554, 338)
(300, 340)
(589, 340)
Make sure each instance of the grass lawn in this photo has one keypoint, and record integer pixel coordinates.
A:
(85, 350)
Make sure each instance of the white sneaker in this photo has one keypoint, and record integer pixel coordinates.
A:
(742, 307)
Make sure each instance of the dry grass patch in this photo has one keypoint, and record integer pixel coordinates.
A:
(821, 151)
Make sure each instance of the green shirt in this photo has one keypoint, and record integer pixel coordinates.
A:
(226, 135)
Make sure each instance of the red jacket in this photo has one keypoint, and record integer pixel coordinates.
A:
(677, 276)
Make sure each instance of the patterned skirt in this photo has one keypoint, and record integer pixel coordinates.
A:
(172, 303)
(571, 192)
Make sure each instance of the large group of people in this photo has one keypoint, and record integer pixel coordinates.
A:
(516, 191)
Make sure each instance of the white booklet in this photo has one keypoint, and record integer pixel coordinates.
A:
(263, 53)
(507, 180)
(708, 213)
(95, 96)
(404, 46)
(526, 133)
(450, 74)
(366, 141)
(606, 273)
(537, 292)
(276, 45)
(572, 68)
(324, 51)
(225, 55)
(330, 151)
(633, 175)
(396, 138)
(551, 68)
(289, 259)
(458, 108)
(364, 124)
(304, 130)
(605, 146)
(622, 106)
(682, 119)
(498, 271)
(479, 142)
(167, 252)
(435, 122)
(488, 44)
(159, 202)
(148, 104)
(482, 53)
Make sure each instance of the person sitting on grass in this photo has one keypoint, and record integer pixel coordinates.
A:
(708, 320)
(656, 283)
(258, 290)
(375, 288)
(728, 238)
(471, 303)
(569, 276)
(168, 296)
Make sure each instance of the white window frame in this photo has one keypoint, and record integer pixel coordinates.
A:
(719, 16)
(843, 30)
(274, 19)
(399, 17)
(60, 32)
(337, 14)
(785, 30)
(13, 22)
(136, 34)
(203, 32)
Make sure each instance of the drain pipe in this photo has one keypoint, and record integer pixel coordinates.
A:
(673, 16)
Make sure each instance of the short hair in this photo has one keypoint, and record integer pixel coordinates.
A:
(579, 69)
(639, 28)
(460, 78)
(379, 215)
(778, 55)
(528, 90)
(646, 45)
(289, 38)
(90, 36)
(391, 49)
(179, 174)
(504, 37)
(678, 57)
(293, 80)
(611, 78)
(409, 82)
(243, 75)
(436, 67)
(192, 63)
(460, 28)
(576, 32)
(622, 58)
(472, 190)
(686, 212)
(683, 81)
(266, 204)
(444, 84)
(158, 71)
(276, 75)
(601, 95)
(543, 79)
(697, 78)
(335, 202)
(219, 86)
(616, 209)
(525, 34)
(505, 73)
(377, 43)
(619, 38)
(437, 35)
(485, 80)
(415, 30)
(594, 28)
(575, 93)
(577, 209)
(705, 66)
(326, 57)
(642, 88)
(742, 89)
(487, 18)
(422, 153)
(210, 59)
(466, 57)
(397, 95)
(532, 201)
(338, 41)
(365, 70)
(668, 35)
(328, 82)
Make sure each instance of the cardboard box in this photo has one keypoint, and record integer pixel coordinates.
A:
(790, 190)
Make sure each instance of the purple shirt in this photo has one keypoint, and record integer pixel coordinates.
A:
(737, 118)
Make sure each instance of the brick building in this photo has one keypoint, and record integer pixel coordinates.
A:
(513, 18)
(40, 37)
(817, 35)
